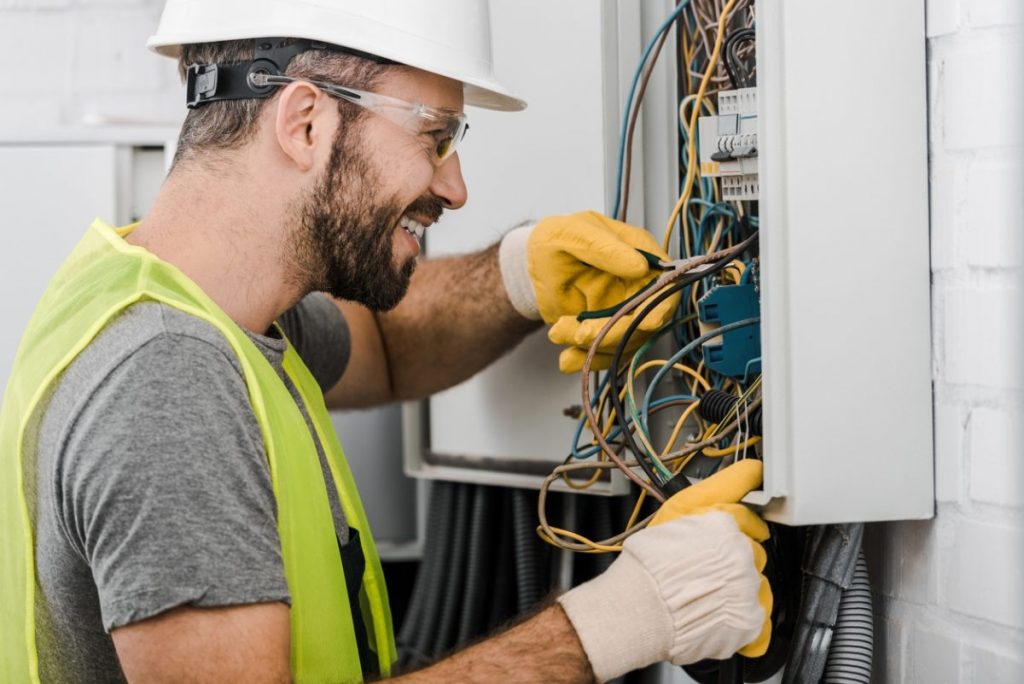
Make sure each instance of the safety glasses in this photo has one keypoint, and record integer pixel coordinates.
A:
(440, 130)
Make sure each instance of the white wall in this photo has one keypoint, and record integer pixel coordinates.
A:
(950, 592)
(75, 62)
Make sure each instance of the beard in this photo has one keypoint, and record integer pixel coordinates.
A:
(343, 245)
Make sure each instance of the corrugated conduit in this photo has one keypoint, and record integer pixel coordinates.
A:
(849, 658)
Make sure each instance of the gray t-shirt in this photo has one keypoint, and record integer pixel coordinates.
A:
(153, 487)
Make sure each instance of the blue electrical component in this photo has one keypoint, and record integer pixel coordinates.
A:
(738, 352)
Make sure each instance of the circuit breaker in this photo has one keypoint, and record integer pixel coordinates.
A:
(728, 144)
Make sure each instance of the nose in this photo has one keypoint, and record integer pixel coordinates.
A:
(448, 184)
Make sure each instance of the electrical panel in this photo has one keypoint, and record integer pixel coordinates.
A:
(823, 322)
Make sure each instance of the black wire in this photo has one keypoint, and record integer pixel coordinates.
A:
(738, 73)
(673, 485)
(613, 387)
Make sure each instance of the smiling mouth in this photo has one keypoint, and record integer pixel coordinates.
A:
(412, 226)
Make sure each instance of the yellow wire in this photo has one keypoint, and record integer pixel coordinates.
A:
(603, 548)
(579, 486)
(679, 427)
(744, 396)
(709, 109)
(716, 453)
(691, 146)
(678, 366)
(681, 462)
(700, 367)
(636, 509)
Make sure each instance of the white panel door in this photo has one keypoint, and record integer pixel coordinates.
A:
(556, 157)
(844, 240)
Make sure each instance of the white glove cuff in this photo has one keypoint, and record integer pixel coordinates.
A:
(682, 591)
(515, 274)
(620, 619)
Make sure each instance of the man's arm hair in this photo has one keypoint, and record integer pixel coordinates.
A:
(248, 643)
(455, 320)
(542, 649)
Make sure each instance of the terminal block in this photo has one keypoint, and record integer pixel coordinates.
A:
(728, 144)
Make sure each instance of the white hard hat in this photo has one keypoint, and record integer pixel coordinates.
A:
(447, 37)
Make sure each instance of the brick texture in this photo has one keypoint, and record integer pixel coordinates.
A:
(949, 594)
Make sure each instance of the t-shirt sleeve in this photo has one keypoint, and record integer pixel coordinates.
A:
(320, 334)
(167, 487)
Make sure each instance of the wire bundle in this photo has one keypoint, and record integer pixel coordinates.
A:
(626, 409)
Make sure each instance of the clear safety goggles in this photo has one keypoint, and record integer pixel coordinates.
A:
(440, 130)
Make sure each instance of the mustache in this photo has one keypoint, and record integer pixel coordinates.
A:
(430, 207)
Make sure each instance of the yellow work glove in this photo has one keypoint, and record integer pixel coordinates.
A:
(565, 265)
(722, 492)
(687, 588)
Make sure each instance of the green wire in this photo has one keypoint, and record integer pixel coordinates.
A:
(631, 404)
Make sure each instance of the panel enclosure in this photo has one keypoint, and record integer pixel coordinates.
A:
(844, 241)
(843, 205)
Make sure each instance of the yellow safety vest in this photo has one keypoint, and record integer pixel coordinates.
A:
(102, 277)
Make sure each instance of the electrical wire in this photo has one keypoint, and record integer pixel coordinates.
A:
(663, 29)
(717, 246)
(691, 147)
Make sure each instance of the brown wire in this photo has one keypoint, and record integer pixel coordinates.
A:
(666, 279)
(633, 116)
(563, 470)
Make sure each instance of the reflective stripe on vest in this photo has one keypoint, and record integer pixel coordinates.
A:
(102, 277)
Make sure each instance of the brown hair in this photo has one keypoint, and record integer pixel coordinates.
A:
(229, 124)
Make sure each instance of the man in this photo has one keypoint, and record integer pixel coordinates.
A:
(175, 505)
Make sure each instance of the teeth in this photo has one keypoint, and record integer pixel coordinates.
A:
(413, 226)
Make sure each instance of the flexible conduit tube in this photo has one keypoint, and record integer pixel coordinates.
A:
(524, 524)
(502, 580)
(600, 508)
(849, 659)
(414, 621)
(478, 555)
(433, 585)
(455, 565)
(830, 561)
(715, 406)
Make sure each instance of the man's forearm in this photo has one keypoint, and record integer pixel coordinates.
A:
(455, 320)
(542, 649)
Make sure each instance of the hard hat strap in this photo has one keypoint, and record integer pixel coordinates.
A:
(212, 82)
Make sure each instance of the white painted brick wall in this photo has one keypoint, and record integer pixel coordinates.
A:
(950, 591)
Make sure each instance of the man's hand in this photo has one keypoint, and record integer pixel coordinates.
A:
(566, 265)
(687, 588)
(722, 492)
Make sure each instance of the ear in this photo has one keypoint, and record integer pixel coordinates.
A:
(302, 124)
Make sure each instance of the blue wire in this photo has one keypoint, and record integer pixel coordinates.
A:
(645, 406)
(746, 369)
(629, 101)
(748, 274)
(595, 448)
